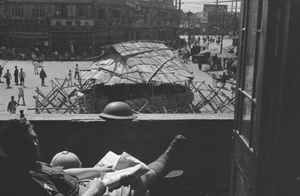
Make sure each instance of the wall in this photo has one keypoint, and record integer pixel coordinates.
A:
(205, 160)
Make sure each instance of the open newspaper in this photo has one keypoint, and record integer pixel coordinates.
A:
(124, 165)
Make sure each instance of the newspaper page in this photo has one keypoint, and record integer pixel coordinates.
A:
(109, 160)
(124, 165)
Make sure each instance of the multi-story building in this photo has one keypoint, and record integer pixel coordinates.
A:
(77, 26)
(214, 20)
(219, 20)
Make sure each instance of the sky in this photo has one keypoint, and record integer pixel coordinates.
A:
(197, 5)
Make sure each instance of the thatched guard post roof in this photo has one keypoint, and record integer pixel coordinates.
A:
(137, 62)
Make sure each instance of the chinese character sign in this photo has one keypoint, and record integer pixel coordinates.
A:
(65, 22)
(214, 8)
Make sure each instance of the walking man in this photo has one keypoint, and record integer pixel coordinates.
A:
(43, 75)
(35, 67)
(22, 77)
(7, 77)
(12, 105)
(76, 72)
(185, 55)
(214, 65)
(70, 78)
(21, 93)
(16, 75)
(1, 69)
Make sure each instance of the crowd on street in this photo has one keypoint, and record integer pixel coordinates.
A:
(192, 52)
(45, 54)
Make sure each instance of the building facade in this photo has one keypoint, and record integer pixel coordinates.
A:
(77, 26)
(214, 20)
(219, 20)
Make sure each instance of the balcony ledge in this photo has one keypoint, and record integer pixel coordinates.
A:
(140, 117)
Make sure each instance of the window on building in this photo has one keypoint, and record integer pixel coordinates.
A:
(17, 10)
(83, 11)
(38, 11)
(114, 13)
(79, 11)
(63, 11)
(102, 14)
(88, 12)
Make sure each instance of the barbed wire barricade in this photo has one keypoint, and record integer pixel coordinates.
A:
(208, 99)
(60, 99)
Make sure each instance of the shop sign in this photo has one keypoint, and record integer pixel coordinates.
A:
(72, 28)
(18, 22)
(68, 23)
(214, 8)
(29, 35)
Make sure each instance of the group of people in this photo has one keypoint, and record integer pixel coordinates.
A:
(12, 104)
(22, 172)
(70, 77)
(19, 79)
(37, 60)
(197, 46)
(19, 76)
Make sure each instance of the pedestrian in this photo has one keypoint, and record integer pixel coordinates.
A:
(185, 55)
(12, 105)
(76, 72)
(218, 40)
(199, 64)
(1, 69)
(214, 65)
(69, 78)
(35, 67)
(16, 75)
(43, 75)
(22, 77)
(7, 77)
(21, 93)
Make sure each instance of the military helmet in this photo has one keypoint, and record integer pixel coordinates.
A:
(66, 160)
(117, 111)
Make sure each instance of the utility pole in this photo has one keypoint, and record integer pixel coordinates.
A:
(223, 13)
(189, 30)
(178, 19)
(221, 48)
(235, 20)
